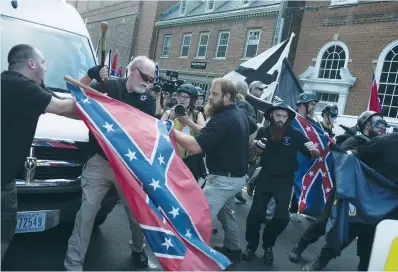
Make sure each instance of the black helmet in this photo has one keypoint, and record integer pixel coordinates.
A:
(188, 89)
(279, 106)
(364, 117)
(307, 97)
(331, 109)
(200, 91)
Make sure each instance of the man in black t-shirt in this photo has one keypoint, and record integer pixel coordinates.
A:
(225, 141)
(97, 176)
(23, 99)
(279, 162)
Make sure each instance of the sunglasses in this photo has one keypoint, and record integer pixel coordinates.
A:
(260, 89)
(380, 124)
(144, 77)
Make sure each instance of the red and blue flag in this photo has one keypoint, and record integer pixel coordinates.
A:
(159, 189)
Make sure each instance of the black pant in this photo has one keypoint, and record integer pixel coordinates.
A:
(256, 216)
(294, 203)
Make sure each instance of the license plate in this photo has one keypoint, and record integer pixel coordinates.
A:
(31, 222)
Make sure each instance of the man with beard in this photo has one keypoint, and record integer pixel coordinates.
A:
(225, 141)
(279, 162)
(98, 177)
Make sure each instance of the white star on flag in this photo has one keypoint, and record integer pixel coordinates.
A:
(320, 159)
(304, 187)
(161, 159)
(155, 184)
(109, 127)
(328, 190)
(175, 212)
(311, 173)
(316, 145)
(303, 201)
(167, 243)
(308, 128)
(212, 251)
(131, 155)
(86, 100)
(188, 234)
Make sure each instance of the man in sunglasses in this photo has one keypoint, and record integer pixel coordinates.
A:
(329, 115)
(97, 177)
(256, 89)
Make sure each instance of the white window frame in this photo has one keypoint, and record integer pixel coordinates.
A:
(199, 45)
(164, 43)
(326, 47)
(247, 42)
(182, 45)
(208, 3)
(245, 4)
(322, 103)
(380, 61)
(185, 8)
(343, 2)
(218, 44)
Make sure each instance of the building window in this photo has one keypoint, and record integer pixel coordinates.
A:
(186, 42)
(210, 5)
(388, 80)
(324, 99)
(252, 43)
(245, 2)
(222, 45)
(183, 7)
(203, 85)
(333, 58)
(343, 2)
(202, 45)
(166, 46)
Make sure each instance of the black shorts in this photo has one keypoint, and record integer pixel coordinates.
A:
(8, 211)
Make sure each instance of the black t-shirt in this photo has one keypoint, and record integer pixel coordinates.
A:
(116, 89)
(381, 154)
(279, 159)
(22, 103)
(225, 140)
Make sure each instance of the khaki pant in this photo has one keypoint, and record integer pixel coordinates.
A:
(97, 179)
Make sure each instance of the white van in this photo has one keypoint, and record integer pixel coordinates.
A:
(49, 193)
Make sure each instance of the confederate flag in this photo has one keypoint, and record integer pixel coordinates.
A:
(160, 190)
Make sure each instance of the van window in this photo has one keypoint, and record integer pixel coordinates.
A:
(65, 53)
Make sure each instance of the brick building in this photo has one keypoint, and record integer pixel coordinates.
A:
(341, 44)
(130, 25)
(205, 39)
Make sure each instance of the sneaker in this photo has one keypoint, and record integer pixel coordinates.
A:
(268, 256)
(233, 255)
(318, 264)
(140, 259)
(240, 198)
(248, 254)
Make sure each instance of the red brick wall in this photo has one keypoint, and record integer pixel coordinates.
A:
(237, 41)
(365, 41)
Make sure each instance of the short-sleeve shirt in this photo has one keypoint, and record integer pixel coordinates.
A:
(279, 158)
(225, 140)
(116, 89)
(22, 103)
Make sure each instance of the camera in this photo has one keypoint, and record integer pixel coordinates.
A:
(262, 143)
(180, 110)
(168, 85)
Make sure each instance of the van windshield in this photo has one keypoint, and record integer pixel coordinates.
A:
(65, 53)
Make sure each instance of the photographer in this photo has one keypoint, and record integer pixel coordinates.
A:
(189, 121)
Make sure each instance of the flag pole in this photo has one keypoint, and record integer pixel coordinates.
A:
(83, 86)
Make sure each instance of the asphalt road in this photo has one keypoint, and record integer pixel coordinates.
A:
(109, 250)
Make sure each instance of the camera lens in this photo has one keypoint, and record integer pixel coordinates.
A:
(179, 110)
(157, 89)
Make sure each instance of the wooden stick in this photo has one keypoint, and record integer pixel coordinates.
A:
(81, 85)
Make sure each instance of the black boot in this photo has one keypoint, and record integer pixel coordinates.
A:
(248, 254)
(295, 254)
(140, 259)
(319, 263)
(240, 197)
(250, 188)
(268, 256)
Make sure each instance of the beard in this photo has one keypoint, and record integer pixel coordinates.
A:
(217, 107)
(278, 129)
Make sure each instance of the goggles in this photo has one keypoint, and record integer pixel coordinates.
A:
(380, 124)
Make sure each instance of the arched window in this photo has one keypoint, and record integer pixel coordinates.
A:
(332, 58)
(387, 73)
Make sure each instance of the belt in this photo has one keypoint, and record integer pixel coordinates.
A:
(226, 174)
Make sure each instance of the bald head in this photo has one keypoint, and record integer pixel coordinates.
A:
(19, 56)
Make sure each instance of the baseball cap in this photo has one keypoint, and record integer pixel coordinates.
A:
(257, 84)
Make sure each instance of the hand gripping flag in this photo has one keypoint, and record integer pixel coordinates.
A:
(313, 180)
(159, 189)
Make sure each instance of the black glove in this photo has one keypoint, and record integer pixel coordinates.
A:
(93, 73)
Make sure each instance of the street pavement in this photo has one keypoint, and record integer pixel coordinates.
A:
(109, 250)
